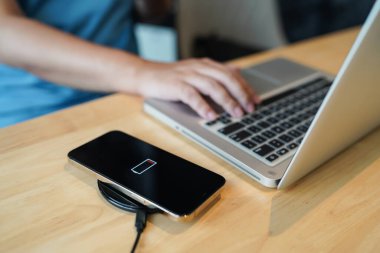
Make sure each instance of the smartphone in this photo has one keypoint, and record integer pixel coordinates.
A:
(150, 175)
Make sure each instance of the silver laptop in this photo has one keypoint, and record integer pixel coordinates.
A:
(306, 116)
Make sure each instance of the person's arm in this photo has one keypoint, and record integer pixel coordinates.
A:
(64, 59)
(60, 57)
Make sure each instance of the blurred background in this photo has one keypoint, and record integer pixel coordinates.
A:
(227, 29)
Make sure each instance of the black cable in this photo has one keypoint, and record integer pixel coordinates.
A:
(120, 200)
(136, 242)
(141, 217)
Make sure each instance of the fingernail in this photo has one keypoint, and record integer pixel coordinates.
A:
(249, 107)
(211, 115)
(238, 112)
(257, 99)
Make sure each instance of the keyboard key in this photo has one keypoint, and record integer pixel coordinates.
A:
(292, 145)
(256, 116)
(231, 128)
(309, 102)
(259, 139)
(272, 120)
(263, 150)
(254, 129)
(276, 143)
(266, 112)
(277, 107)
(294, 133)
(290, 111)
(294, 120)
(302, 129)
(247, 121)
(277, 129)
(272, 157)
(300, 117)
(308, 123)
(299, 140)
(263, 124)
(282, 151)
(299, 108)
(303, 116)
(248, 144)
(281, 115)
(314, 110)
(211, 123)
(286, 125)
(269, 134)
(225, 120)
(310, 113)
(226, 114)
(240, 135)
(285, 138)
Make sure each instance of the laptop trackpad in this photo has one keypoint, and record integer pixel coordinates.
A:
(275, 73)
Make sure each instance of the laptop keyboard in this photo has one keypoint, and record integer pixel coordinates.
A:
(275, 130)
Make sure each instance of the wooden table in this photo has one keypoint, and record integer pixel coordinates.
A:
(46, 206)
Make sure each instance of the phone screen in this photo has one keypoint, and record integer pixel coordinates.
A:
(162, 178)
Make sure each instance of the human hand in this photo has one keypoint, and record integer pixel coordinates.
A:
(188, 80)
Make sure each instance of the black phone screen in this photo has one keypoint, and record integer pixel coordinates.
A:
(162, 178)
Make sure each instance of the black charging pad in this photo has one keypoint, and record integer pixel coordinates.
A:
(122, 201)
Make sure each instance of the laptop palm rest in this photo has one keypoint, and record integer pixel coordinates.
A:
(275, 76)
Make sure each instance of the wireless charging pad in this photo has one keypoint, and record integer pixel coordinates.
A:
(121, 201)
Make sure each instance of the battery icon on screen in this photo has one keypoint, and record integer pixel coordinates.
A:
(143, 166)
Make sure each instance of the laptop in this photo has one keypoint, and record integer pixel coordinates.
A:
(306, 116)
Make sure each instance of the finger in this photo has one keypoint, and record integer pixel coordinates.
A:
(190, 96)
(237, 87)
(252, 97)
(212, 88)
(250, 90)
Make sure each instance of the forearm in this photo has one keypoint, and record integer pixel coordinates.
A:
(64, 59)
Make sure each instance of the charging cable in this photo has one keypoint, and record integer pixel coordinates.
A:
(128, 204)
(141, 217)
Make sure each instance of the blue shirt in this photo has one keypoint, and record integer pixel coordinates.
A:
(106, 22)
